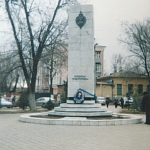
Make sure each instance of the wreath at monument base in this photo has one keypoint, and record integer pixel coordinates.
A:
(79, 97)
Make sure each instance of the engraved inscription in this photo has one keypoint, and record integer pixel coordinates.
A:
(79, 77)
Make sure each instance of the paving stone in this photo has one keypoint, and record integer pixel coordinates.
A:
(15, 135)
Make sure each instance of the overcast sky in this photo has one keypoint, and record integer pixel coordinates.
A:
(108, 16)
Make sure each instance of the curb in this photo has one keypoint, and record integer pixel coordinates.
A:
(71, 121)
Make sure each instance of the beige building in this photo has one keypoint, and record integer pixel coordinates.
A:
(99, 60)
(43, 79)
(118, 84)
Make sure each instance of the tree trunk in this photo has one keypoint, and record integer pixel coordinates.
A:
(51, 86)
(32, 103)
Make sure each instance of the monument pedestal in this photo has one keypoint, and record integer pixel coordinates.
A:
(80, 110)
(81, 66)
(81, 54)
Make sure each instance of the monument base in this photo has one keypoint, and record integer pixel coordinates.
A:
(87, 109)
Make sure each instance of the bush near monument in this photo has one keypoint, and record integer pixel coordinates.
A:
(50, 105)
(24, 100)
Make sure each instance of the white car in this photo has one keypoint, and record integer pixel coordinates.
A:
(128, 101)
(42, 101)
(4, 103)
(101, 100)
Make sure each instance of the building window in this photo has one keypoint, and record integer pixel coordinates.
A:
(119, 89)
(98, 69)
(140, 88)
(97, 54)
(130, 88)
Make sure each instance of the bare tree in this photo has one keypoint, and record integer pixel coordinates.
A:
(10, 71)
(128, 63)
(32, 24)
(138, 42)
(55, 56)
(117, 62)
(133, 64)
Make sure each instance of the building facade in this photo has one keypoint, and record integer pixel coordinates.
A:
(99, 60)
(43, 78)
(120, 83)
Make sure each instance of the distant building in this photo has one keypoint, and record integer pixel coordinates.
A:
(99, 60)
(43, 78)
(120, 83)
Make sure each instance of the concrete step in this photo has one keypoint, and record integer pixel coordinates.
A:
(86, 110)
(65, 105)
(79, 114)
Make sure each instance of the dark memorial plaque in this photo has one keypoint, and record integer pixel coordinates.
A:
(80, 20)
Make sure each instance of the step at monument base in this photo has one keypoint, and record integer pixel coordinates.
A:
(64, 105)
(87, 109)
(58, 109)
(80, 114)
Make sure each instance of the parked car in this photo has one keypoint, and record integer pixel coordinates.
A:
(42, 101)
(128, 101)
(101, 100)
(4, 103)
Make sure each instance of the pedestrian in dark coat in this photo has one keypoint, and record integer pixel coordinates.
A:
(116, 102)
(146, 106)
(14, 99)
(107, 101)
(122, 102)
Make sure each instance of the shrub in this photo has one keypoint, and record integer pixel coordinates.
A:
(136, 105)
(57, 104)
(49, 105)
(24, 100)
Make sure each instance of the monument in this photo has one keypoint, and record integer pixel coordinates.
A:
(81, 64)
(80, 76)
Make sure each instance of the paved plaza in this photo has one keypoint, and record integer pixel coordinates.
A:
(15, 135)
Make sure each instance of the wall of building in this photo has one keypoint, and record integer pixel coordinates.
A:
(100, 60)
(126, 81)
(105, 89)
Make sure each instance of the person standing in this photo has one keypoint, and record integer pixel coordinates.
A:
(122, 102)
(146, 106)
(116, 102)
(13, 99)
(107, 101)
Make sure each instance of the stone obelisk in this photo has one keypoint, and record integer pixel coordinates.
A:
(81, 62)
